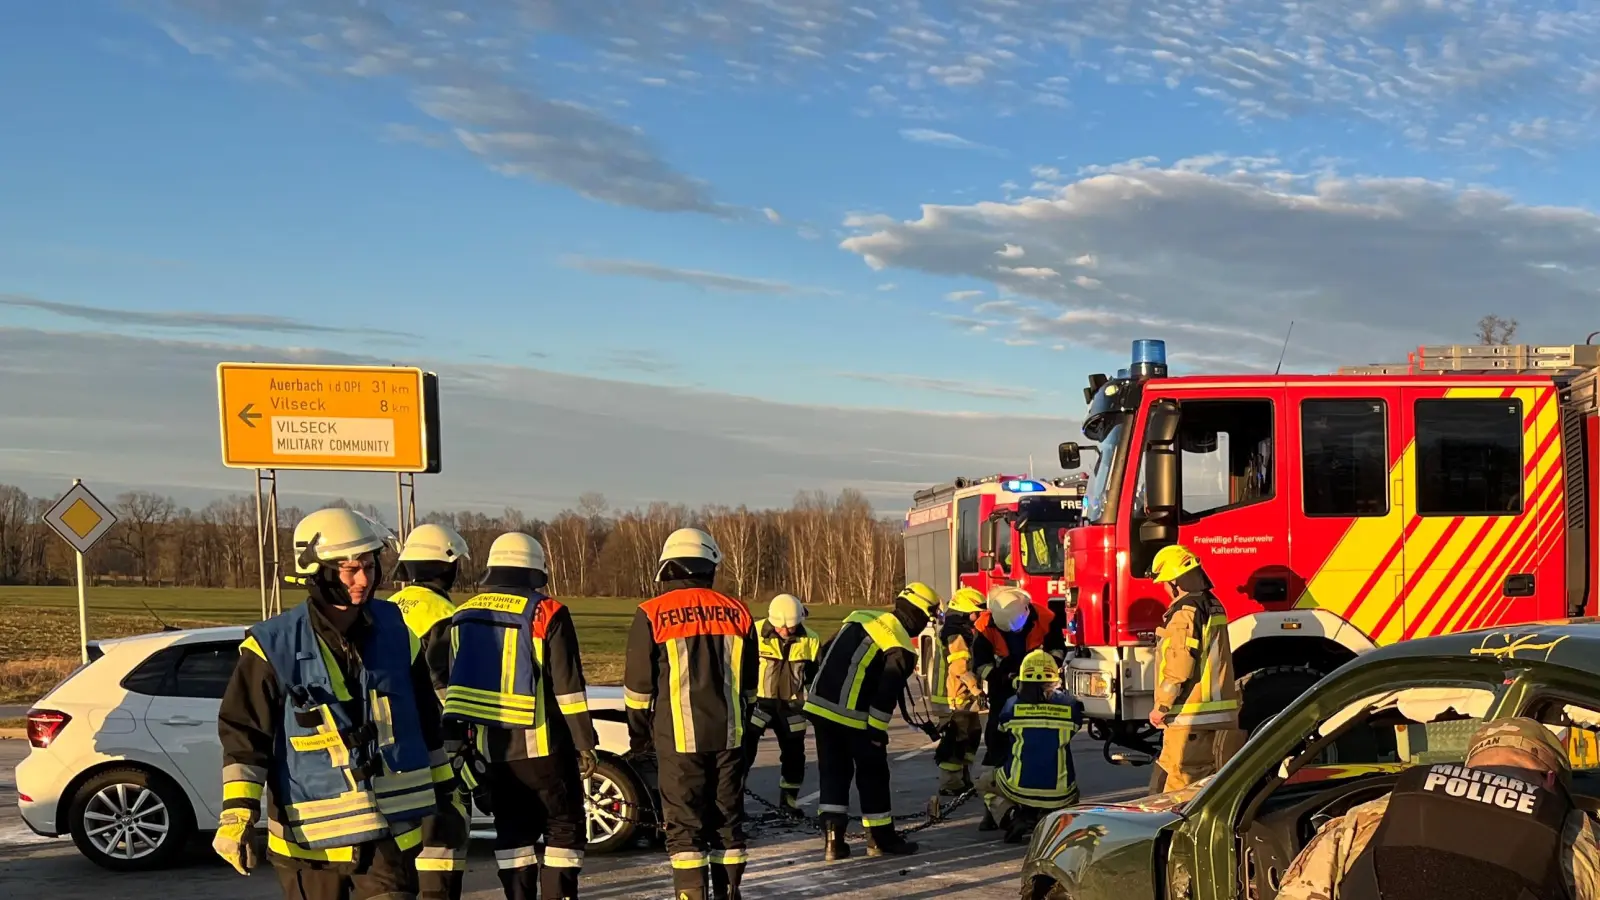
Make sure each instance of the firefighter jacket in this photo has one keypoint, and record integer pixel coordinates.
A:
(955, 682)
(787, 666)
(427, 612)
(1194, 665)
(1040, 771)
(517, 675)
(996, 651)
(863, 672)
(689, 681)
(344, 727)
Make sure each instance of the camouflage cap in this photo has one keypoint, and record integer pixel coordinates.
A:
(1520, 734)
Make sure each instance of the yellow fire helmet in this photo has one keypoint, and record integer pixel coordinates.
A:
(1171, 562)
(922, 597)
(1041, 667)
(968, 600)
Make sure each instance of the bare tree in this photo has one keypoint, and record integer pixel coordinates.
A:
(1496, 331)
(142, 517)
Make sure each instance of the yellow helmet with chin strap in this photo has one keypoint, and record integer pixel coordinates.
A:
(1172, 562)
(1039, 667)
(967, 600)
(922, 597)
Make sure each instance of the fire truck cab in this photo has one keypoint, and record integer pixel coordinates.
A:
(1333, 513)
(990, 531)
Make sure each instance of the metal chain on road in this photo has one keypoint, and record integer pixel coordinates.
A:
(794, 819)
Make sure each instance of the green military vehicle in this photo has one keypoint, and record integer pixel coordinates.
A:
(1232, 836)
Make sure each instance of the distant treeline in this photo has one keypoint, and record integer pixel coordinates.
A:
(824, 550)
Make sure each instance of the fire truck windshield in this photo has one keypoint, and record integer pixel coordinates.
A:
(1041, 548)
(1098, 490)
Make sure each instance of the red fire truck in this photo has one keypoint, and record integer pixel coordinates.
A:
(1334, 513)
(994, 530)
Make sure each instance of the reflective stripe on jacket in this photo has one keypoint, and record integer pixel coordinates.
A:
(1194, 665)
(351, 764)
(691, 671)
(1040, 771)
(516, 669)
(955, 659)
(863, 671)
(785, 664)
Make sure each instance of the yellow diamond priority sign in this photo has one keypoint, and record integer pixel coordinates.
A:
(80, 518)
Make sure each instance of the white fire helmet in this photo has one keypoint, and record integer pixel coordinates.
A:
(1008, 607)
(786, 611)
(515, 550)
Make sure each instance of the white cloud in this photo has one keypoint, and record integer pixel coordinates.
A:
(941, 139)
(772, 216)
(888, 286)
(716, 281)
(1217, 256)
(72, 395)
(959, 296)
(179, 320)
(1009, 251)
(944, 385)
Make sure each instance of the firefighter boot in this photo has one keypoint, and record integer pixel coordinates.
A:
(883, 840)
(689, 884)
(834, 846)
(953, 782)
(725, 881)
(789, 799)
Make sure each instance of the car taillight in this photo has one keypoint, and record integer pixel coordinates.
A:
(44, 725)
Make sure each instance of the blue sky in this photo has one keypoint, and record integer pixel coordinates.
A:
(927, 207)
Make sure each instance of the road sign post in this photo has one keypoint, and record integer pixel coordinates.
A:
(81, 520)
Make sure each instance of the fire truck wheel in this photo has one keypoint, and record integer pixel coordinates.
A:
(1267, 691)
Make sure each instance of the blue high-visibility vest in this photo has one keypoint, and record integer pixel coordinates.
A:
(1040, 771)
(350, 763)
(498, 643)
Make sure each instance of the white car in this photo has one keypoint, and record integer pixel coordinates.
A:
(125, 755)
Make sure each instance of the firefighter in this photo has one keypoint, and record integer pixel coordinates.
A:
(430, 563)
(689, 684)
(517, 679)
(1196, 703)
(1500, 825)
(331, 704)
(1039, 776)
(961, 691)
(1009, 629)
(860, 682)
(788, 649)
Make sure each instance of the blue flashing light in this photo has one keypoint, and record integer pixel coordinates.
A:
(1023, 486)
(1149, 351)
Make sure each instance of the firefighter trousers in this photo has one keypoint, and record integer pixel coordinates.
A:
(382, 871)
(847, 754)
(959, 737)
(1189, 754)
(789, 726)
(702, 800)
(533, 797)
(441, 866)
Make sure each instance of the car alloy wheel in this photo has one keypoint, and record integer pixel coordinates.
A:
(127, 821)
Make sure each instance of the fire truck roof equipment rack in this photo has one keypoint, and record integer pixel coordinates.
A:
(931, 493)
(1560, 361)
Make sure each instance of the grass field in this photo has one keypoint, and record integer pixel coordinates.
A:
(39, 626)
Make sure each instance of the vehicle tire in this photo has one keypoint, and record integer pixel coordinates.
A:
(614, 807)
(131, 820)
(1268, 691)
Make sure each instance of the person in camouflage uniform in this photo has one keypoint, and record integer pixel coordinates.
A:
(1324, 864)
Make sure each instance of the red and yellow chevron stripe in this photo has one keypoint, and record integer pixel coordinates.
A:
(1402, 575)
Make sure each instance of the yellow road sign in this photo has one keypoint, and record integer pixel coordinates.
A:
(341, 418)
(80, 518)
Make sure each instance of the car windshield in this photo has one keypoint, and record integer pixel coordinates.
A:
(1040, 545)
(1097, 496)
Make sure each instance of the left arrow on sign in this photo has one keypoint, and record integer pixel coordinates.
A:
(247, 416)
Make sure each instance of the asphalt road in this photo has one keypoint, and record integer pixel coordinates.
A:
(957, 861)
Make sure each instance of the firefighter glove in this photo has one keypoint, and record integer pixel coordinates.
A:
(587, 761)
(235, 839)
(971, 682)
(450, 826)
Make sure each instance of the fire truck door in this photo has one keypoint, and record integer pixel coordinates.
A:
(1474, 499)
(1347, 514)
